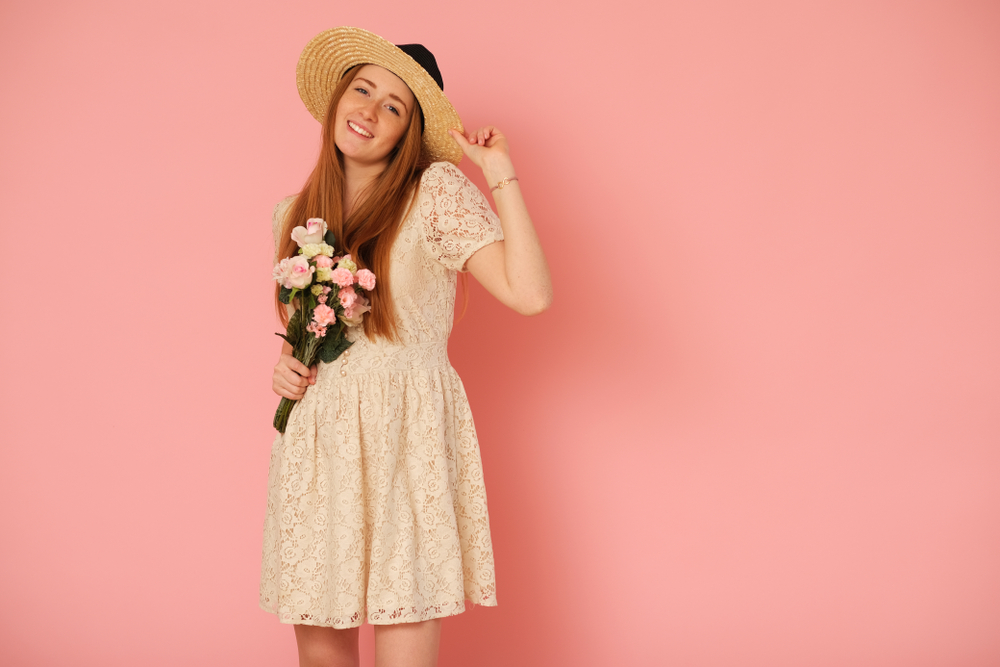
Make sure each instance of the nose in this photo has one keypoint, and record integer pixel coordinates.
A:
(368, 110)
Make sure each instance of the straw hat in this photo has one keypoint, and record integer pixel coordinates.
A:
(331, 53)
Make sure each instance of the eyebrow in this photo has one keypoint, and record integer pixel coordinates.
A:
(392, 95)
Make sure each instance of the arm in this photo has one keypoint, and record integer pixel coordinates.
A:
(291, 377)
(513, 270)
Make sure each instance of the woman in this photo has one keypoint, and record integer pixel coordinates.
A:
(376, 505)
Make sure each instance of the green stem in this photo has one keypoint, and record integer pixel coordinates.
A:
(305, 352)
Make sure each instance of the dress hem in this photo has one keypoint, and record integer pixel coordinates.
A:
(457, 609)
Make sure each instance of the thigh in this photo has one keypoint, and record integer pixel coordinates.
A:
(327, 647)
(408, 644)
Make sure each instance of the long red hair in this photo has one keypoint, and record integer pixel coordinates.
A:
(371, 228)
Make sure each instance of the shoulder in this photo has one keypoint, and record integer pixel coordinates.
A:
(444, 174)
(281, 208)
(278, 215)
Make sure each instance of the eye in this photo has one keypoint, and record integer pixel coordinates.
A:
(393, 109)
(361, 90)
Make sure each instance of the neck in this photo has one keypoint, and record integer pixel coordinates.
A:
(356, 178)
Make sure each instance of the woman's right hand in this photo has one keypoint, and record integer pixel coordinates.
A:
(291, 377)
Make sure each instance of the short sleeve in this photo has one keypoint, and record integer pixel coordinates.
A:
(457, 219)
(277, 222)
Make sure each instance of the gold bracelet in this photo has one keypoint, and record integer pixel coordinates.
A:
(501, 184)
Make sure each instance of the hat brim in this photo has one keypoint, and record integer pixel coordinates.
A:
(333, 52)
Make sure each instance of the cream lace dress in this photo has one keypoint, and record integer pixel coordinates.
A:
(376, 504)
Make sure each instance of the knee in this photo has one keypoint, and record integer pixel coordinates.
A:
(327, 647)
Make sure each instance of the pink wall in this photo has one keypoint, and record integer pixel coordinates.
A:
(759, 427)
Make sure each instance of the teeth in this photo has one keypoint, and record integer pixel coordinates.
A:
(360, 130)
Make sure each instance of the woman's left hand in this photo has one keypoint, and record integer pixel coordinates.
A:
(487, 148)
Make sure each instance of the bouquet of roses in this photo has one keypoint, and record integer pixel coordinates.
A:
(324, 287)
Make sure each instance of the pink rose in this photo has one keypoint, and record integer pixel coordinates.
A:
(347, 297)
(366, 279)
(313, 232)
(342, 277)
(282, 270)
(324, 315)
(298, 273)
(323, 262)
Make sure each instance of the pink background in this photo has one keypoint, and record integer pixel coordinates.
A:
(759, 426)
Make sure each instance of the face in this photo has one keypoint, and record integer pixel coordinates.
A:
(372, 117)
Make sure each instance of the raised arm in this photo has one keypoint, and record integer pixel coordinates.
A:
(513, 270)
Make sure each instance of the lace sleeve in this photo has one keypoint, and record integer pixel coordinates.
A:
(277, 220)
(457, 219)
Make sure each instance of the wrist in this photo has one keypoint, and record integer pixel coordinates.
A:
(498, 169)
(502, 183)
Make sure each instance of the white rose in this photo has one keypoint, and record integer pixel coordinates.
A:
(313, 232)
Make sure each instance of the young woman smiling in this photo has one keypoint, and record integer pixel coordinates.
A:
(376, 504)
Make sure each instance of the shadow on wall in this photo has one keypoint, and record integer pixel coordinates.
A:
(552, 396)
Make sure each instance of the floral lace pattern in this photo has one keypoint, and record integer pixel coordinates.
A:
(376, 502)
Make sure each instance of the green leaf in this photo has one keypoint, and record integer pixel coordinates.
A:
(285, 295)
(332, 348)
(330, 239)
(293, 333)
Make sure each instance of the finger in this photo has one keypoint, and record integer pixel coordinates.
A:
(296, 388)
(460, 139)
(282, 388)
(493, 135)
(284, 393)
(312, 374)
(291, 395)
(294, 379)
(296, 365)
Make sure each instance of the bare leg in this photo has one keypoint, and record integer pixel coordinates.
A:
(408, 644)
(327, 647)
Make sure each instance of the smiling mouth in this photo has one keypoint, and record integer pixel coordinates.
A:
(360, 130)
